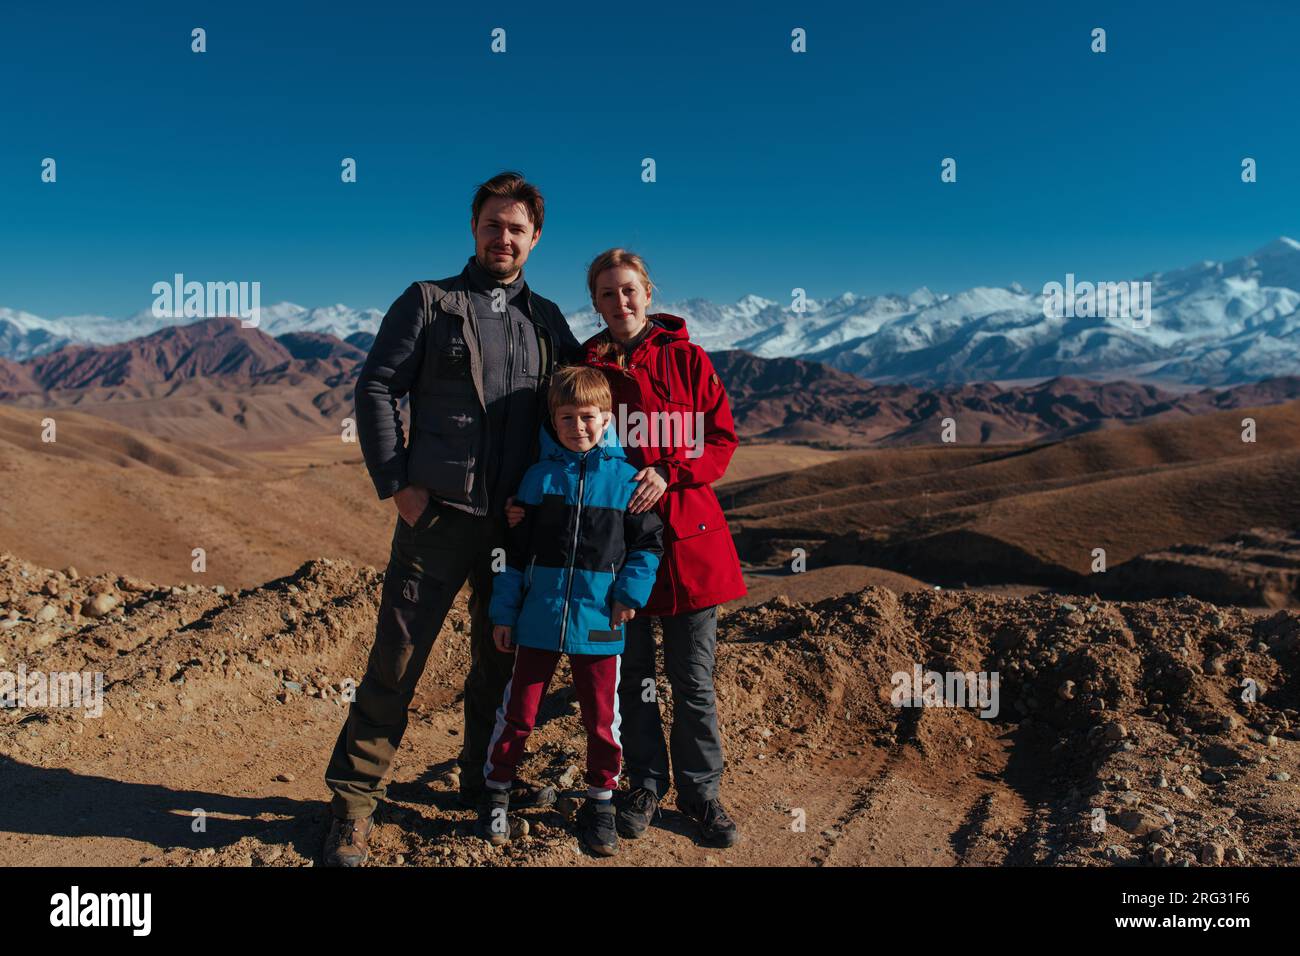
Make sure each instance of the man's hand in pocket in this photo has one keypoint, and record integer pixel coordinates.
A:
(411, 502)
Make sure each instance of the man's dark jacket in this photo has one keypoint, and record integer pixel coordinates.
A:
(428, 346)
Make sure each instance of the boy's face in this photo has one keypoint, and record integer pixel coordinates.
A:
(579, 427)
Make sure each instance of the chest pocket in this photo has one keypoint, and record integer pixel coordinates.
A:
(527, 352)
(449, 349)
(672, 378)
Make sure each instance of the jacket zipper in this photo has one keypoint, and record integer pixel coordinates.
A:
(467, 321)
(573, 554)
(529, 582)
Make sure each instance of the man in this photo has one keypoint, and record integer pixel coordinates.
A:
(475, 353)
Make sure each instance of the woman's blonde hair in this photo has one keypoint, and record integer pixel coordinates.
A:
(612, 259)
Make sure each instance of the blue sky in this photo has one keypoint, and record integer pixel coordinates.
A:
(775, 170)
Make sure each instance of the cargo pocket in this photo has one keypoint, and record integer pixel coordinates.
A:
(398, 625)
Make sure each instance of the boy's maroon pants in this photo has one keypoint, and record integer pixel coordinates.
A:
(595, 679)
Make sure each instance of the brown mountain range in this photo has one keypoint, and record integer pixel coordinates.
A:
(796, 400)
(217, 381)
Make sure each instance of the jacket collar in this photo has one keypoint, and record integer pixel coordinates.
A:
(665, 328)
(479, 279)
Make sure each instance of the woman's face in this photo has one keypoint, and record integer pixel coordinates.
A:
(621, 300)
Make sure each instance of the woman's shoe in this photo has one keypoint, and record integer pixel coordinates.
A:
(637, 812)
(716, 827)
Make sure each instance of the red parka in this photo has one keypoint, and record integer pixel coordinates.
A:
(668, 373)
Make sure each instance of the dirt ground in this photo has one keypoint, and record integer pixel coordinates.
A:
(1121, 736)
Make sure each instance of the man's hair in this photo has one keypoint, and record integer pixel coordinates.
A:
(579, 385)
(513, 186)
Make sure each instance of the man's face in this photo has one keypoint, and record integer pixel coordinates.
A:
(503, 237)
(580, 426)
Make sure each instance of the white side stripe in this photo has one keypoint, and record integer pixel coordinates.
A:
(500, 725)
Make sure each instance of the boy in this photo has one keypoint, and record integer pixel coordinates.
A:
(577, 567)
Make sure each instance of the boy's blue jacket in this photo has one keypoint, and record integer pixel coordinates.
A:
(576, 551)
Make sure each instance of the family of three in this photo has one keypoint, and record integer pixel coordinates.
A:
(514, 450)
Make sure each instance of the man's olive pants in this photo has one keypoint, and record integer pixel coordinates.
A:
(426, 568)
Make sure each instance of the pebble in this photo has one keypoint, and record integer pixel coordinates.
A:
(1186, 791)
(1212, 777)
(1115, 731)
(284, 778)
(1281, 776)
(1211, 854)
(1138, 822)
(99, 605)
(1162, 856)
(1118, 853)
(570, 776)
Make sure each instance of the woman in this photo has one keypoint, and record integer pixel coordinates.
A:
(675, 424)
(653, 368)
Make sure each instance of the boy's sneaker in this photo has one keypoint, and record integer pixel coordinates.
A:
(596, 827)
(494, 821)
(716, 827)
(522, 794)
(638, 810)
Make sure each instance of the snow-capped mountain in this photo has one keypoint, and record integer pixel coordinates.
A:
(1213, 323)
(23, 335)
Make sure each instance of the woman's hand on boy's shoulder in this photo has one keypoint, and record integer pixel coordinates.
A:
(653, 483)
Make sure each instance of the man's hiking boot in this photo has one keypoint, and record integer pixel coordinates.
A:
(347, 843)
(637, 811)
(596, 827)
(715, 826)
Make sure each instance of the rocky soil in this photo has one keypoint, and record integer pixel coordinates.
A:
(1122, 737)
